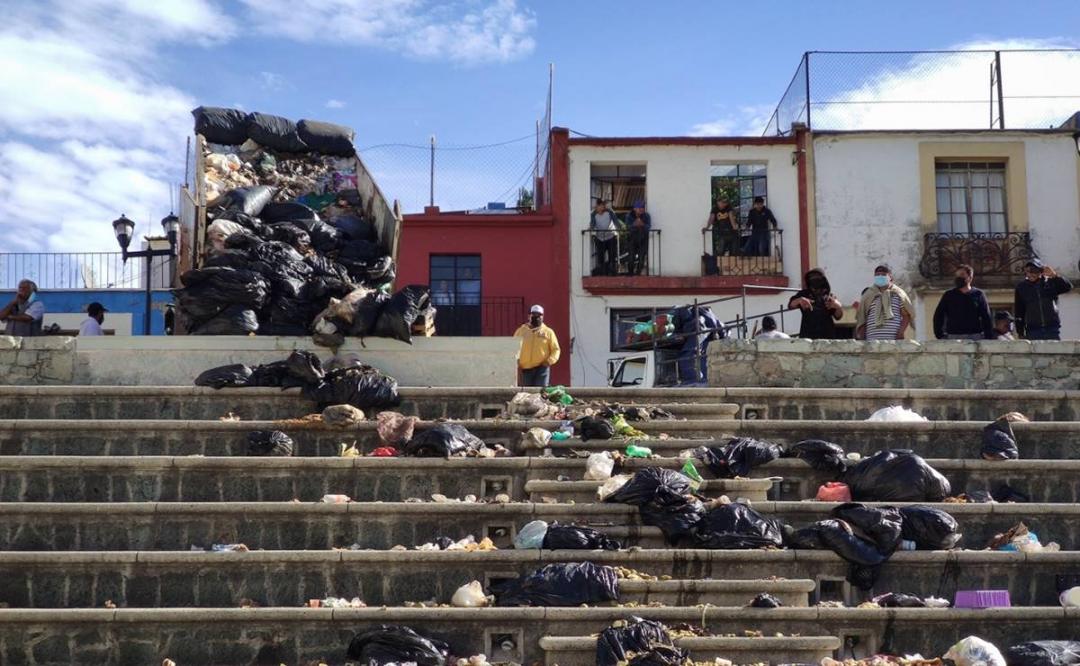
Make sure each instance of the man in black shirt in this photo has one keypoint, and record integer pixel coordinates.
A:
(963, 313)
(760, 218)
(820, 307)
(1036, 302)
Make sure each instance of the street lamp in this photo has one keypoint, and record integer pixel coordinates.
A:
(125, 229)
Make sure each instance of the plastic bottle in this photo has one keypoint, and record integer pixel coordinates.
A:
(690, 470)
(635, 451)
(560, 435)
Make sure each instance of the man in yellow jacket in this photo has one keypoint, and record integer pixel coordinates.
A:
(539, 349)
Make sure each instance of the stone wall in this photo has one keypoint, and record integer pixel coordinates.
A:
(44, 360)
(902, 364)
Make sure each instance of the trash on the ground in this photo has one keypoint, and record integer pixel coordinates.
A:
(765, 600)
(393, 644)
(736, 526)
(563, 584)
(1070, 597)
(636, 451)
(899, 600)
(342, 416)
(236, 374)
(362, 386)
(833, 491)
(999, 441)
(896, 414)
(336, 499)
(929, 528)
(348, 450)
(535, 438)
(394, 429)
(229, 548)
(573, 537)
(594, 427)
(974, 651)
(337, 602)
(530, 405)
(531, 535)
(558, 395)
(663, 498)
(445, 440)
(611, 485)
(624, 429)
(822, 456)
(469, 595)
(896, 476)
(982, 599)
(383, 452)
(616, 644)
(269, 443)
(561, 435)
(690, 470)
(1044, 653)
(739, 456)
(598, 466)
(1020, 538)
(229, 417)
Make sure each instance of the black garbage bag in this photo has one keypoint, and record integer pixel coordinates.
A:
(324, 238)
(765, 600)
(287, 316)
(594, 427)
(443, 441)
(379, 271)
(649, 482)
(228, 259)
(999, 442)
(900, 600)
(275, 132)
(397, 316)
(661, 655)
(838, 536)
(322, 266)
(244, 241)
(930, 528)
(248, 200)
(354, 227)
(1006, 493)
(305, 366)
(564, 584)
(360, 250)
(896, 476)
(289, 233)
(739, 456)
(269, 443)
(233, 320)
(881, 525)
(281, 257)
(736, 526)
(362, 386)
(572, 537)
(287, 211)
(217, 125)
(394, 644)
(822, 456)
(367, 313)
(675, 515)
(270, 374)
(1044, 653)
(327, 138)
(219, 287)
(636, 636)
(979, 496)
(236, 374)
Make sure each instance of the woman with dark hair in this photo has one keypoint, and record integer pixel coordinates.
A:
(820, 307)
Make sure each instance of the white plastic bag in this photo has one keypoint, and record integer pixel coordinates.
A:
(1070, 598)
(974, 651)
(611, 485)
(531, 536)
(598, 466)
(535, 438)
(896, 414)
(469, 595)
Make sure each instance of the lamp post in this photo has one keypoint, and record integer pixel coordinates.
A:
(124, 228)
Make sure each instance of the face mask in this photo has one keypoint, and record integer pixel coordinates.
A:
(881, 280)
(33, 297)
(535, 321)
(960, 282)
(817, 284)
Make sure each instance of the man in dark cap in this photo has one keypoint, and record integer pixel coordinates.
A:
(885, 311)
(1003, 324)
(1036, 302)
(95, 316)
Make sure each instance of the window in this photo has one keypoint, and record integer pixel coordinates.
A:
(739, 184)
(971, 197)
(622, 322)
(455, 293)
(618, 184)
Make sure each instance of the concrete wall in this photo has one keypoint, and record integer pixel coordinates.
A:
(126, 308)
(868, 194)
(678, 190)
(906, 364)
(167, 360)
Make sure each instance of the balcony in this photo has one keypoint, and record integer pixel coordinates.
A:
(997, 258)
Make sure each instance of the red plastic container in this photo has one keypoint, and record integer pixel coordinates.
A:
(834, 491)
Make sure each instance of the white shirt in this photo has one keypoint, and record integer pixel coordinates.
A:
(772, 335)
(90, 326)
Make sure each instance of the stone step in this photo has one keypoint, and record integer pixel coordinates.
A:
(755, 490)
(244, 479)
(381, 525)
(950, 439)
(294, 635)
(380, 577)
(194, 403)
(581, 650)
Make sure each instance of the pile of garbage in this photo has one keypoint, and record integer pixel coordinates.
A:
(539, 535)
(555, 403)
(291, 250)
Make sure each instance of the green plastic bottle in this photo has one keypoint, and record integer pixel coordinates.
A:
(635, 451)
(690, 470)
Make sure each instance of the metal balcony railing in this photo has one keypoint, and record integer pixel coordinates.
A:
(82, 270)
(995, 257)
(623, 252)
(740, 254)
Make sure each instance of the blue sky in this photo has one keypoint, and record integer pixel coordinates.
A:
(97, 94)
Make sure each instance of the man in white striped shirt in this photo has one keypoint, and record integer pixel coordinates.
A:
(885, 311)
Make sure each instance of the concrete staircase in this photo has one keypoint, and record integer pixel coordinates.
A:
(105, 490)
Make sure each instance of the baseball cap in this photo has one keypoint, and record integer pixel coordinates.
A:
(883, 268)
(1003, 315)
(95, 308)
(536, 309)
(1035, 263)
(639, 204)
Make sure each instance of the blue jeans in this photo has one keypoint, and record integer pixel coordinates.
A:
(1043, 332)
(538, 376)
(757, 245)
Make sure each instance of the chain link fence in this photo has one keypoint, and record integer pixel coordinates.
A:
(976, 89)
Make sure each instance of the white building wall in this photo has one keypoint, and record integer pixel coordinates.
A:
(678, 192)
(868, 211)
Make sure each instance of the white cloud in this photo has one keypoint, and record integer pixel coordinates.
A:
(747, 120)
(465, 31)
(335, 104)
(272, 82)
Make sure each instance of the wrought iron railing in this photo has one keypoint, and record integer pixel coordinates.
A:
(995, 257)
(740, 254)
(623, 252)
(472, 316)
(82, 270)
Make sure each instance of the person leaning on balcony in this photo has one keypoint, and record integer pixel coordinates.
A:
(539, 349)
(605, 227)
(885, 311)
(1003, 325)
(23, 314)
(724, 223)
(963, 313)
(820, 307)
(761, 220)
(1036, 302)
(639, 222)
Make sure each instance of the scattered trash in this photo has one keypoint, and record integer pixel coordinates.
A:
(393, 644)
(269, 443)
(624, 429)
(1070, 598)
(663, 499)
(394, 429)
(834, 491)
(535, 438)
(896, 476)
(572, 537)
(229, 548)
(594, 427)
(974, 651)
(469, 595)
(611, 485)
(1044, 653)
(635, 451)
(229, 417)
(736, 526)
(765, 600)
(236, 374)
(598, 466)
(929, 528)
(443, 441)
(739, 456)
(342, 416)
(336, 499)
(896, 414)
(558, 395)
(899, 600)
(530, 405)
(690, 470)
(822, 456)
(615, 645)
(564, 584)
(1020, 538)
(999, 442)
(531, 535)
(383, 452)
(362, 386)
(348, 450)
(336, 602)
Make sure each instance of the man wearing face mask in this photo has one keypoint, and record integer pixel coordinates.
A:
(1036, 302)
(963, 313)
(885, 311)
(23, 314)
(820, 307)
(539, 349)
